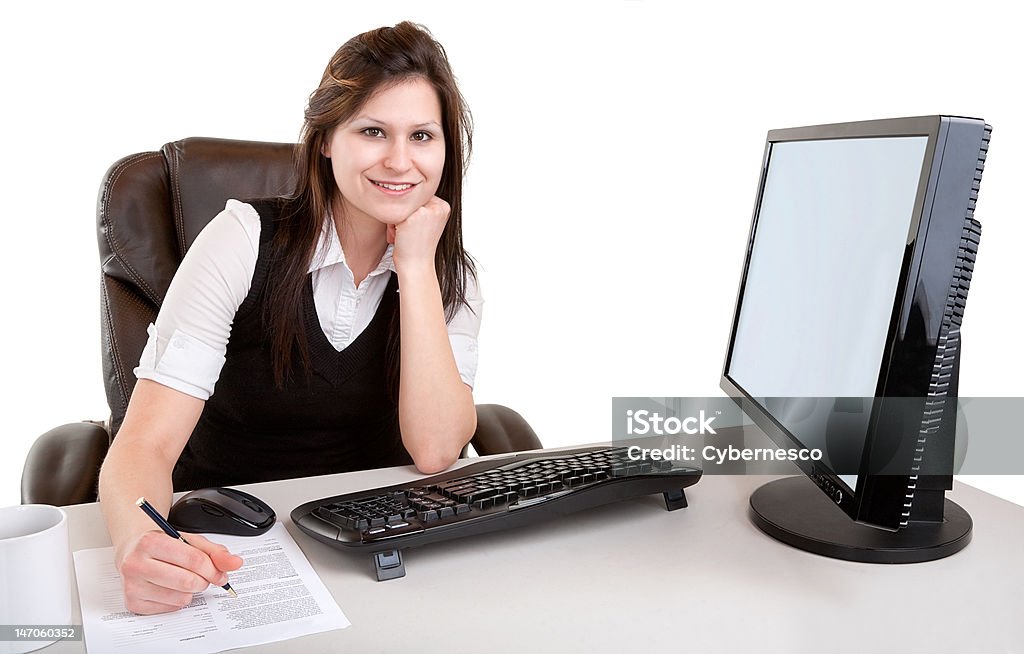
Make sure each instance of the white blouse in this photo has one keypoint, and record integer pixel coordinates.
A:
(187, 344)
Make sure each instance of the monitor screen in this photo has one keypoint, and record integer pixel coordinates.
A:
(825, 263)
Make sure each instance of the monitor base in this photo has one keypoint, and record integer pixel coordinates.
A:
(794, 511)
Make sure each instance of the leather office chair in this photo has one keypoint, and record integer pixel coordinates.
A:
(152, 205)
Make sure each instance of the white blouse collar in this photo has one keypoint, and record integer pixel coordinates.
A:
(328, 251)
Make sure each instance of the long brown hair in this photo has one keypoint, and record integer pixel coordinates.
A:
(362, 66)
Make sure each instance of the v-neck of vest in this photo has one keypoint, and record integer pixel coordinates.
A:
(338, 366)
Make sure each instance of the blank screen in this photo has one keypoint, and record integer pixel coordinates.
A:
(827, 252)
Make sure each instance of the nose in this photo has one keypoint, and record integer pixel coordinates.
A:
(397, 157)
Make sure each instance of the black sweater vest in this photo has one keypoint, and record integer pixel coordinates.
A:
(338, 418)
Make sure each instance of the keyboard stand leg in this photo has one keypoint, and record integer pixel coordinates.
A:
(675, 500)
(389, 565)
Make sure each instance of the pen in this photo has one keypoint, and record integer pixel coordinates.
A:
(170, 531)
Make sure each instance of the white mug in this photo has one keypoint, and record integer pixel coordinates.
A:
(35, 572)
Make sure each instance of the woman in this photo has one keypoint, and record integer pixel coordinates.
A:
(318, 372)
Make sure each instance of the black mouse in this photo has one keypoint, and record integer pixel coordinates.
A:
(221, 511)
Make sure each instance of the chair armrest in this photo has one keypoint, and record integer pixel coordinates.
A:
(63, 466)
(499, 429)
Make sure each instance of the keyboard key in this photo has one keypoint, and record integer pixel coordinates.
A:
(333, 518)
(482, 493)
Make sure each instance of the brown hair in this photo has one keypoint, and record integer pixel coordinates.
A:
(364, 65)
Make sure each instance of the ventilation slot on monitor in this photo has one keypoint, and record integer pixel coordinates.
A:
(949, 336)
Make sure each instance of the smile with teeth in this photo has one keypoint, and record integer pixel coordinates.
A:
(392, 187)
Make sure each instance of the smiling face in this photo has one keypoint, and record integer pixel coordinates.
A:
(388, 158)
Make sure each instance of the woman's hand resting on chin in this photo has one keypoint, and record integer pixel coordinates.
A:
(415, 238)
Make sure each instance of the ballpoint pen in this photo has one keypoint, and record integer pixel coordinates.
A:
(170, 531)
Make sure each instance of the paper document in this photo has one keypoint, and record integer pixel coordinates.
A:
(279, 597)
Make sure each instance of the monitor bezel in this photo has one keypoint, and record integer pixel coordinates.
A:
(875, 500)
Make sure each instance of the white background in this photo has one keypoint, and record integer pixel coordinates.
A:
(608, 200)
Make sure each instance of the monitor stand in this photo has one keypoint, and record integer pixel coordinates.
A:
(795, 512)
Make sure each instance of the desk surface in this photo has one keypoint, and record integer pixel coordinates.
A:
(631, 576)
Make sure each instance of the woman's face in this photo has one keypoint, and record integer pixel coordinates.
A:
(388, 159)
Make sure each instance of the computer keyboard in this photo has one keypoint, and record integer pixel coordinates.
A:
(493, 494)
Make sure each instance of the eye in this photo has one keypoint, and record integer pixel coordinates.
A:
(421, 136)
(374, 132)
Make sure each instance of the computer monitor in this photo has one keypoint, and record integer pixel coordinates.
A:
(845, 336)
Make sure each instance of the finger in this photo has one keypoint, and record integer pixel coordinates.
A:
(208, 547)
(391, 234)
(440, 206)
(225, 560)
(221, 557)
(146, 597)
(146, 607)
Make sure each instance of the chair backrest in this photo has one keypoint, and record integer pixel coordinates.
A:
(151, 207)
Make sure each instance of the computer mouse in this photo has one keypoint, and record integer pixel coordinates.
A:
(221, 511)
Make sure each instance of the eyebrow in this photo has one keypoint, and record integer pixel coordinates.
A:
(429, 123)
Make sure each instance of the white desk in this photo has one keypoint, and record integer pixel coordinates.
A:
(633, 577)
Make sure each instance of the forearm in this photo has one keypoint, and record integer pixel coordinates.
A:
(156, 426)
(131, 471)
(435, 408)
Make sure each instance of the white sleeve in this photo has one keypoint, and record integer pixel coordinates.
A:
(463, 331)
(186, 346)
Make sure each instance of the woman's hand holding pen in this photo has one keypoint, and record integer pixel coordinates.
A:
(160, 574)
(415, 238)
